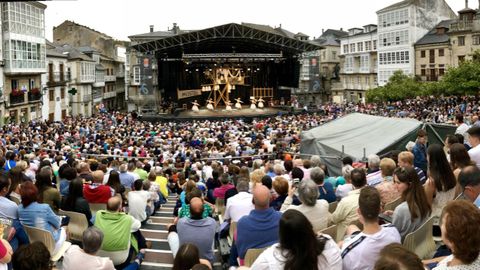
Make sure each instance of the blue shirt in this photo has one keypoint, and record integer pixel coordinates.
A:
(420, 156)
(64, 187)
(126, 179)
(326, 192)
(40, 215)
(257, 230)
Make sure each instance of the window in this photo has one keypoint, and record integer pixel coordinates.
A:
(441, 70)
(441, 52)
(423, 71)
(476, 39)
(360, 46)
(14, 85)
(136, 75)
(422, 53)
(374, 45)
(352, 47)
(51, 94)
(368, 45)
(461, 58)
(62, 93)
(334, 55)
(461, 41)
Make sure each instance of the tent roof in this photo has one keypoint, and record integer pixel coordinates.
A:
(357, 131)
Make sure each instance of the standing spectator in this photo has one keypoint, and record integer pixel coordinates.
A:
(346, 211)
(304, 251)
(460, 221)
(462, 127)
(474, 140)
(361, 250)
(325, 189)
(260, 228)
(405, 160)
(420, 150)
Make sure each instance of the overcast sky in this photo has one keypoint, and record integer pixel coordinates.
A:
(122, 18)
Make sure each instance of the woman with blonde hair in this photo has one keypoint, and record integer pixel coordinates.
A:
(256, 177)
(386, 188)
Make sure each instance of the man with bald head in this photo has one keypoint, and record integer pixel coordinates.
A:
(259, 229)
(97, 192)
(117, 228)
(196, 230)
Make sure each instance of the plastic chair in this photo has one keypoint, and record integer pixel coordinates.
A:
(252, 254)
(332, 206)
(220, 206)
(77, 225)
(393, 204)
(40, 235)
(15, 200)
(332, 231)
(421, 241)
(231, 232)
(94, 207)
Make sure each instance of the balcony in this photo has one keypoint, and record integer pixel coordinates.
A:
(110, 78)
(86, 98)
(120, 74)
(17, 99)
(34, 97)
(58, 78)
(109, 94)
(461, 26)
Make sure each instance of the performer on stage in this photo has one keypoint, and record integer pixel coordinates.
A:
(238, 104)
(228, 105)
(253, 103)
(210, 104)
(260, 103)
(195, 106)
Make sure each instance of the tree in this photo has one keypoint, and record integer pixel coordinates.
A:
(399, 86)
(462, 80)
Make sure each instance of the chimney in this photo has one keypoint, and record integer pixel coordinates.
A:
(323, 30)
(466, 3)
(151, 28)
(281, 24)
(341, 29)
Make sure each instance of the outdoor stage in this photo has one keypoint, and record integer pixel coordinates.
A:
(244, 113)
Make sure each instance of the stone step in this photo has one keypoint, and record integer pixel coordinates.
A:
(156, 219)
(156, 234)
(158, 256)
(155, 226)
(163, 214)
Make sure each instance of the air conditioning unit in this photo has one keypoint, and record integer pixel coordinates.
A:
(57, 99)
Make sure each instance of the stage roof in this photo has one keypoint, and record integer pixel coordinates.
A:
(228, 38)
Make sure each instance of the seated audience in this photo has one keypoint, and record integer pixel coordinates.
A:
(343, 190)
(240, 204)
(97, 192)
(66, 174)
(188, 256)
(47, 193)
(77, 258)
(6, 252)
(395, 257)
(460, 221)
(226, 185)
(346, 211)
(387, 190)
(280, 186)
(405, 160)
(40, 215)
(126, 178)
(374, 176)
(185, 210)
(415, 209)
(32, 256)
(75, 202)
(361, 249)
(469, 179)
(306, 250)
(459, 158)
(314, 209)
(325, 189)
(137, 201)
(258, 229)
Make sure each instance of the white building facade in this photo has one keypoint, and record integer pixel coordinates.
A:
(359, 63)
(399, 27)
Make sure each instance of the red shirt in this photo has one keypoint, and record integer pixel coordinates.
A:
(220, 191)
(3, 250)
(97, 193)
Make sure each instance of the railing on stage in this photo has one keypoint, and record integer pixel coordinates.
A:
(263, 92)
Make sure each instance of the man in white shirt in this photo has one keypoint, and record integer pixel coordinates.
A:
(462, 127)
(239, 205)
(361, 249)
(137, 201)
(474, 140)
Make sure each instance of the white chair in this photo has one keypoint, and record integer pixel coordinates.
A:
(40, 235)
(252, 254)
(332, 231)
(332, 206)
(421, 241)
(94, 207)
(77, 225)
(393, 204)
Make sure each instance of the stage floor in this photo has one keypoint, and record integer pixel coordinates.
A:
(219, 113)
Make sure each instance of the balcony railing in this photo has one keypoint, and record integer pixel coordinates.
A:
(461, 26)
(110, 78)
(17, 99)
(58, 78)
(34, 97)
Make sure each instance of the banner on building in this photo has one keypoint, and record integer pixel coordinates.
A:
(146, 75)
(315, 83)
(181, 94)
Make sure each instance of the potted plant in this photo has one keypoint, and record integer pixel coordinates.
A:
(16, 92)
(35, 91)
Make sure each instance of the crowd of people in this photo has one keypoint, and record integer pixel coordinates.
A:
(129, 168)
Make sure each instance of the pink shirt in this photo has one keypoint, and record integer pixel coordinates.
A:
(220, 191)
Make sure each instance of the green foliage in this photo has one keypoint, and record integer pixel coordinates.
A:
(461, 80)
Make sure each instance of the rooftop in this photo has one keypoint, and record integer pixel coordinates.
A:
(433, 37)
